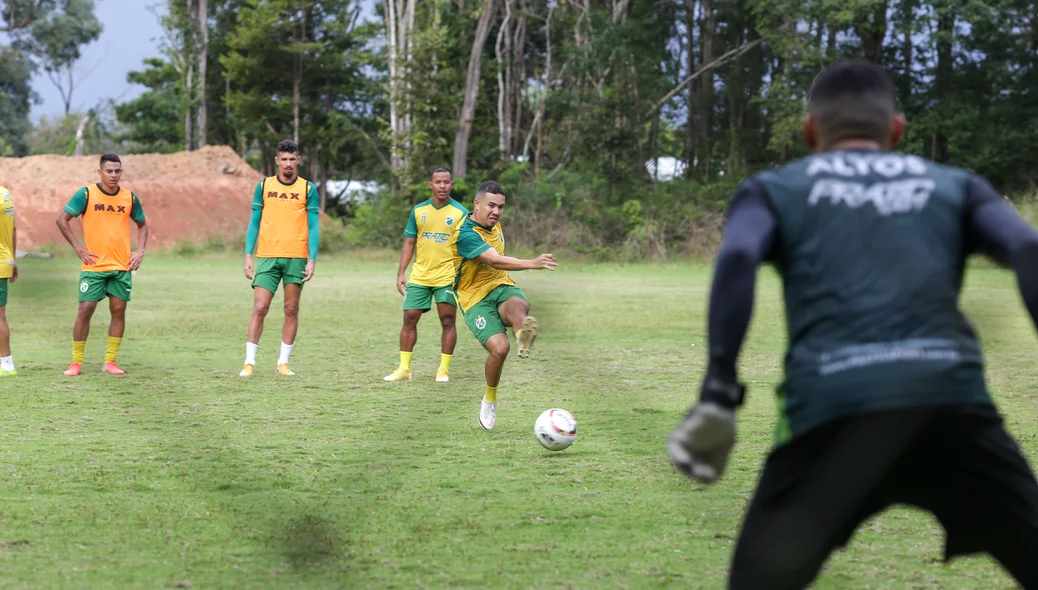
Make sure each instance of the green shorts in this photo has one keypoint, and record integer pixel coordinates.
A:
(422, 297)
(3, 292)
(95, 286)
(272, 271)
(483, 318)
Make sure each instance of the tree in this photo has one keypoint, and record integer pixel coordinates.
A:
(471, 89)
(56, 41)
(153, 120)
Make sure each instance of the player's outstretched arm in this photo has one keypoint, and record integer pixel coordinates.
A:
(543, 262)
(700, 445)
(995, 229)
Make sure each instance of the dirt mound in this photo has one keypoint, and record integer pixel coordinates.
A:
(187, 195)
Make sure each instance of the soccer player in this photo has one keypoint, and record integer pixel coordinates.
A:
(884, 398)
(489, 299)
(284, 234)
(108, 264)
(8, 274)
(429, 228)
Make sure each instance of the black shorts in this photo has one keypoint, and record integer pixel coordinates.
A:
(957, 462)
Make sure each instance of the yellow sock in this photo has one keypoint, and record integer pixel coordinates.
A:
(445, 361)
(113, 349)
(491, 395)
(405, 360)
(78, 348)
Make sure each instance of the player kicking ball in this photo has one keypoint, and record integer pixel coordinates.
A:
(489, 299)
(884, 399)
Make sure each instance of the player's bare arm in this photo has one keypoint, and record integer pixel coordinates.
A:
(14, 250)
(66, 230)
(308, 272)
(500, 262)
(406, 254)
(142, 243)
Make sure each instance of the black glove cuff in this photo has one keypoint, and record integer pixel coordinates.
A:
(725, 393)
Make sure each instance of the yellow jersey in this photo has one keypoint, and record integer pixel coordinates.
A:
(475, 279)
(432, 227)
(106, 224)
(7, 260)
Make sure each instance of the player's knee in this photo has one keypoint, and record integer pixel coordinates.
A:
(86, 309)
(447, 322)
(260, 309)
(291, 310)
(499, 347)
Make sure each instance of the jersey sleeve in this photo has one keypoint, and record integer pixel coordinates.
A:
(136, 210)
(411, 231)
(77, 204)
(257, 197)
(470, 245)
(313, 199)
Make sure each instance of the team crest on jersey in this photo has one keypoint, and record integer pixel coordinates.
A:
(449, 220)
(424, 215)
(83, 287)
(481, 322)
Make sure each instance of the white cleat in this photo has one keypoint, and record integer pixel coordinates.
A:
(487, 414)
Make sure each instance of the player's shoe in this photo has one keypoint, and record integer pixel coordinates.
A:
(247, 370)
(112, 369)
(527, 334)
(283, 370)
(74, 370)
(401, 374)
(10, 373)
(442, 376)
(487, 414)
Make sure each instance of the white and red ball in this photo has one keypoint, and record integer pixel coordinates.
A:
(555, 429)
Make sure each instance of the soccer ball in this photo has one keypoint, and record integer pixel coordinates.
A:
(555, 429)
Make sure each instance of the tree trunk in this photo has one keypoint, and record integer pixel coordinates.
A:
(942, 80)
(79, 135)
(906, 51)
(189, 116)
(690, 66)
(502, 50)
(203, 59)
(872, 29)
(518, 81)
(705, 86)
(299, 35)
(189, 82)
(468, 107)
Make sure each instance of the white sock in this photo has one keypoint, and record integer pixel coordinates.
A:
(250, 353)
(286, 351)
(7, 363)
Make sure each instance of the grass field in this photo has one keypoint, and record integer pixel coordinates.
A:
(182, 474)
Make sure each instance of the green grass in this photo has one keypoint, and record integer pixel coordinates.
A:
(183, 473)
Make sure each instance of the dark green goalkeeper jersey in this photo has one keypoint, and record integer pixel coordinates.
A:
(871, 248)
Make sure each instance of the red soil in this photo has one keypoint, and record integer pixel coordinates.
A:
(186, 196)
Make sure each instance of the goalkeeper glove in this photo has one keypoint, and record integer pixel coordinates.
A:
(700, 445)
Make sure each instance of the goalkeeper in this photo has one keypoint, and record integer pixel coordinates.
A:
(884, 399)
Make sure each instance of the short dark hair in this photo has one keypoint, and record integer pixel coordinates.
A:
(109, 157)
(852, 99)
(288, 146)
(489, 187)
(439, 169)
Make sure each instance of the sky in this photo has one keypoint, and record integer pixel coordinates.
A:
(131, 34)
